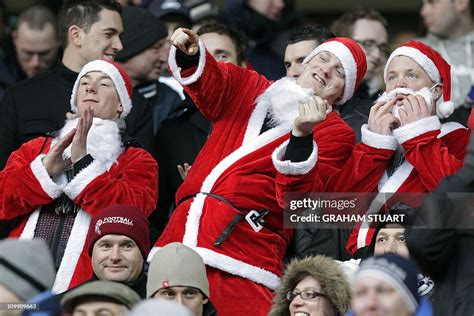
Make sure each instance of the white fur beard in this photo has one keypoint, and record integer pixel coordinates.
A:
(424, 92)
(104, 142)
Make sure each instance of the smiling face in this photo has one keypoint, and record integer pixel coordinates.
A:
(117, 258)
(318, 306)
(98, 90)
(325, 75)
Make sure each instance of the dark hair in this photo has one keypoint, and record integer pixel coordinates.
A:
(37, 17)
(344, 25)
(311, 32)
(82, 13)
(237, 38)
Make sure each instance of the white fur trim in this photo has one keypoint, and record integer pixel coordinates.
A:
(30, 226)
(83, 178)
(176, 70)
(74, 247)
(343, 53)
(47, 184)
(417, 128)
(111, 71)
(195, 210)
(232, 266)
(293, 168)
(421, 59)
(376, 140)
(449, 127)
(239, 268)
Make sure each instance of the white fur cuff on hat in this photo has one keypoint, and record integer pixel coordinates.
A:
(421, 59)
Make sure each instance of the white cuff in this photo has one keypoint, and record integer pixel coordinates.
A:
(47, 184)
(417, 128)
(376, 140)
(177, 70)
(293, 168)
(83, 178)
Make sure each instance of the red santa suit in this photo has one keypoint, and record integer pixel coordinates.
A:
(116, 175)
(248, 169)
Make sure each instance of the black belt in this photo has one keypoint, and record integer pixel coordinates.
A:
(257, 218)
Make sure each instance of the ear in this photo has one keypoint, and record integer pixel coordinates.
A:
(437, 92)
(119, 110)
(75, 35)
(462, 5)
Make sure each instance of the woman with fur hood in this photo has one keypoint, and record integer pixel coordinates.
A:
(312, 286)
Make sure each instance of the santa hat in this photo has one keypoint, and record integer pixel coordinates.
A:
(435, 67)
(352, 58)
(122, 83)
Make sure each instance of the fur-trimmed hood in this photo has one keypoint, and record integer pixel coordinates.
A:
(325, 271)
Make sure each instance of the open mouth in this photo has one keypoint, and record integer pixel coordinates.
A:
(301, 314)
(319, 79)
(110, 56)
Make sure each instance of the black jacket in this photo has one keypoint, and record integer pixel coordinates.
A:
(446, 252)
(38, 105)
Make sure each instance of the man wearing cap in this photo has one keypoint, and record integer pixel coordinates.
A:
(119, 244)
(388, 285)
(144, 58)
(178, 273)
(55, 184)
(413, 151)
(100, 298)
(262, 144)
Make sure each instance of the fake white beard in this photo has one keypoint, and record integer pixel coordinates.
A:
(104, 142)
(424, 92)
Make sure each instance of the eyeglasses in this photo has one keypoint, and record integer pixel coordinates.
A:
(370, 45)
(305, 295)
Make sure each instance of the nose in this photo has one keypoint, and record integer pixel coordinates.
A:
(280, 4)
(117, 44)
(424, 9)
(91, 87)
(294, 71)
(35, 61)
(115, 254)
(297, 301)
(401, 83)
(179, 299)
(390, 247)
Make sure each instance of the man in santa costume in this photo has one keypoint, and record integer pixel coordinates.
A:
(57, 183)
(404, 146)
(266, 140)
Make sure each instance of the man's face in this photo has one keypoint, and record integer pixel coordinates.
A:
(149, 64)
(36, 50)
(103, 38)
(117, 258)
(391, 238)
(375, 297)
(372, 37)
(98, 90)
(295, 54)
(99, 308)
(190, 297)
(221, 47)
(318, 306)
(439, 16)
(271, 9)
(404, 72)
(325, 75)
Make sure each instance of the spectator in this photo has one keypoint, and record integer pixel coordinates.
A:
(144, 58)
(449, 26)
(26, 270)
(35, 46)
(178, 273)
(234, 173)
(312, 286)
(57, 184)
(118, 245)
(188, 126)
(403, 133)
(38, 105)
(387, 284)
(369, 28)
(202, 12)
(100, 298)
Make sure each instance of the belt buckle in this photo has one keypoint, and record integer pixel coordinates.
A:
(253, 217)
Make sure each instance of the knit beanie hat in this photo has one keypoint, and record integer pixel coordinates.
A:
(114, 71)
(26, 267)
(435, 67)
(352, 58)
(399, 272)
(121, 220)
(165, 8)
(176, 265)
(99, 290)
(141, 30)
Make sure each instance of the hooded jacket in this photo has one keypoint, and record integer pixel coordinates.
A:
(325, 270)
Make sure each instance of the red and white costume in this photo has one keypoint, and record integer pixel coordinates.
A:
(248, 169)
(117, 175)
